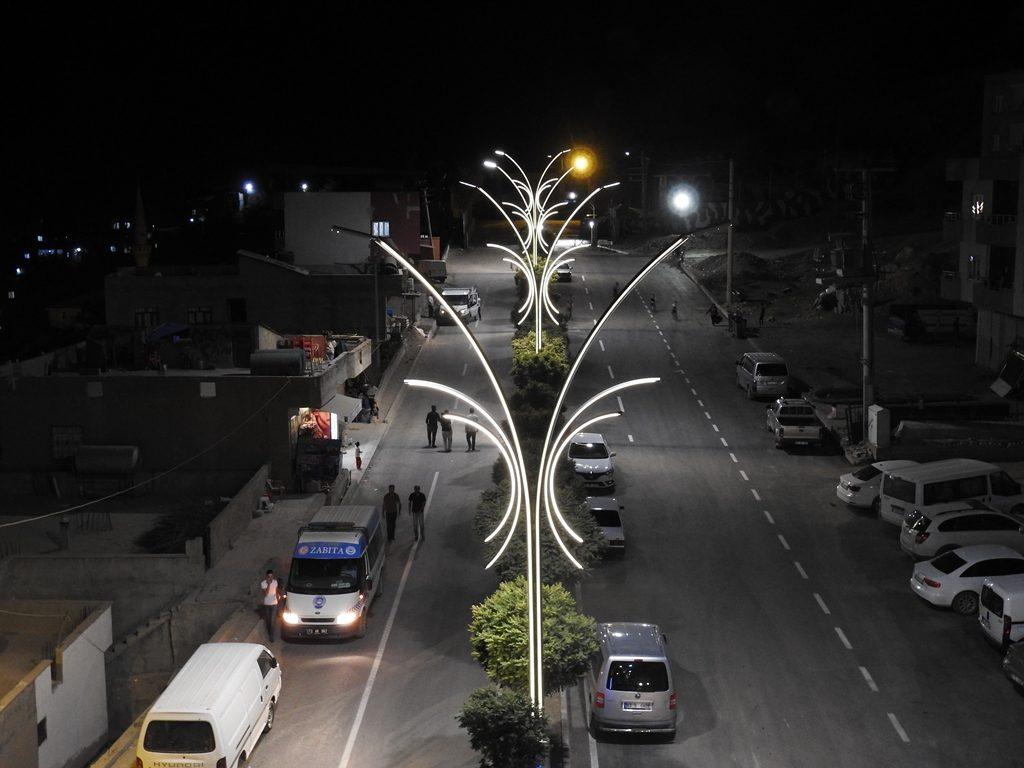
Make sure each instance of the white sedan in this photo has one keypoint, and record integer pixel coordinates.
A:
(860, 488)
(954, 579)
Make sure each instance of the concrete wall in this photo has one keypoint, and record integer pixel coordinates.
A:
(173, 294)
(18, 726)
(998, 333)
(138, 586)
(76, 708)
(227, 526)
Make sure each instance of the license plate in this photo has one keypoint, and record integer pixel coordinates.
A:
(316, 631)
(638, 706)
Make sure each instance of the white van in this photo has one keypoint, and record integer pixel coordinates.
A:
(1001, 609)
(214, 710)
(335, 574)
(943, 482)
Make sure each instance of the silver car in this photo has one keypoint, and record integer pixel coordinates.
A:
(762, 374)
(631, 689)
(605, 511)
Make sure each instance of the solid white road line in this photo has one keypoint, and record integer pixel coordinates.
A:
(868, 679)
(611, 373)
(622, 408)
(842, 639)
(821, 604)
(723, 442)
(744, 476)
(365, 700)
(783, 542)
(769, 516)
(601, 343)
(899, 728)
(733, 457)
(757, 496)
(630, 438)
(800, 570)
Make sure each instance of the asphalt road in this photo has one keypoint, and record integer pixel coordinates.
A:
(794, 638)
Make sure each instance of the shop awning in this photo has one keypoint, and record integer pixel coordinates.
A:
(347, 408)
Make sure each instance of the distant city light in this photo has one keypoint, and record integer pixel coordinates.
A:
(590, 223)
(304, 187)
(249, 187)
(26, 256)
(39, 238)
(627, 153)
(17, 270)
(113, 249)
(572, 195)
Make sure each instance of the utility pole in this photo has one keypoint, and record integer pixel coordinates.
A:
(728, 262)
(867, 300)
(645, 161)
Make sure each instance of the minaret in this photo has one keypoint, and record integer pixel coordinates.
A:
(141, 248)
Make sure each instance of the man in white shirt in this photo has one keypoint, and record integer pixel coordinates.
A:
(471, 430)
(269, 587)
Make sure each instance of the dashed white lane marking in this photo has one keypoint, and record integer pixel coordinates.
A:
(583, 278)
(744, 476)
(601, 343)
(361, 711)
(800, 570)
(868, 679)
(768, 515)
(622, 408)
(590, 304)
(707, 415)
(595, 323)
(723, 442)
(673, 356)
(692, 389)
(821, 604)
(687, 380)
(715, 427)
(659, 332)
(783, 542)
(757, 496)
(630, 438)
(611, 372)
(464, 367)
(682, 370)
(842, 639)
(733, 457)
(899, 728)
(586, 291)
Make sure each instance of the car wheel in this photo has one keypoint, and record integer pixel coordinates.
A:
(243, 761)
(270, 717)
(750, 391)
(876, 506)
(361, 626)
(966, 603)
(1018, 510)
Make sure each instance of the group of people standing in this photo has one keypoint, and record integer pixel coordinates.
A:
(435, 420)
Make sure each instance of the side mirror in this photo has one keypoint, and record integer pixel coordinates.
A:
(613, 453)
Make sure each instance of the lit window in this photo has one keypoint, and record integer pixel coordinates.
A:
(17, 270)
(382, 229)
(10, 294)
(113, 249)
(39, 238)
(27, 256)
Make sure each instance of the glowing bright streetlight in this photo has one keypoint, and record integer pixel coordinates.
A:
(304, 187)
(249, 187)
(581, 163)
(683, 200)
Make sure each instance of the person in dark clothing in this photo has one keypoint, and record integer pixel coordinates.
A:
(417, 508)
(432, 421)
(760, 316)
(392, 509)
(716, 316)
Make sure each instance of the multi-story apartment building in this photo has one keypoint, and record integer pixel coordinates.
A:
(989, 224)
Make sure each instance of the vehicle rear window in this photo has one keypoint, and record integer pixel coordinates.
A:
(900, 489)
(186, 737)
(607, 518)
(797, 420)
(588, 451)
(646, 676)
(867, 473)
(992, 601)
(948, 562)
(772, 369)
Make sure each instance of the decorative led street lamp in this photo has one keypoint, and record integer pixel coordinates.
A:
(535, 251)
(543, 501)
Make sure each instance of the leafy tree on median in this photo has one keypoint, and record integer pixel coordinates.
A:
(505, 728)
(499, 628)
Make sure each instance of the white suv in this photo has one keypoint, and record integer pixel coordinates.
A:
(592, 461)
(605, 511)
(961, 524)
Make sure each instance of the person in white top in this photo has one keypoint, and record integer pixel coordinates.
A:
(471, 430)
(269, 587)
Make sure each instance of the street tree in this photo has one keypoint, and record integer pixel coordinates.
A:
(505, 728)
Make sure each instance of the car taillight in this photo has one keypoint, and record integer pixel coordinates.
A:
(671, 701)
(932, 583)
(922, 537)
(599, 700)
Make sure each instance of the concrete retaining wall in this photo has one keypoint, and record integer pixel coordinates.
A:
(18, 727)
(227, 526)
(138, 586)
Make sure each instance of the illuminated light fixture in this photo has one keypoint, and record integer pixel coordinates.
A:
(304, 186)
(249, 187)
(683, 200)
(572, 195)
(543, 502)
(581, 163)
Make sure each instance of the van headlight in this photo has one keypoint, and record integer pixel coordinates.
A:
(347, 617)
(290, 618)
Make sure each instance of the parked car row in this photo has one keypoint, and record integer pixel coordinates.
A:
(962, 521)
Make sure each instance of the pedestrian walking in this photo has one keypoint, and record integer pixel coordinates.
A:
(760, 316)
(359, 456)
(417, 509)
(615, 290)
(675, 310)
(430, 306)
(716, 316)
(471, 430)
(269, 587)
(446, 432)
(654, 303)
(432, 421)
(392, 509)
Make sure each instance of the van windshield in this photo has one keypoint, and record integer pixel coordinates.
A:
(314, 576)
(457, 299)
(772, 369)
(186, 737)
(646, 676)
(900, 489)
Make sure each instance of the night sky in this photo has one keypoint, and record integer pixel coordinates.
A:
(186, 100)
